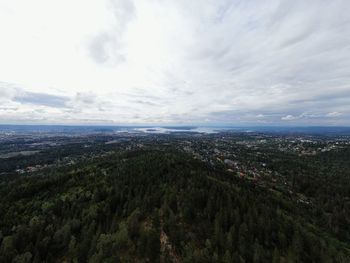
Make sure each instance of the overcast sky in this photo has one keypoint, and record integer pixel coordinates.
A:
(175, 61)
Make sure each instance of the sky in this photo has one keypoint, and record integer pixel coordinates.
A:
(232, 62)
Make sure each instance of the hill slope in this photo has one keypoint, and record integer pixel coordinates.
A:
(150, 206)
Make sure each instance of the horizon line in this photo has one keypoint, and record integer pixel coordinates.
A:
(175, 125)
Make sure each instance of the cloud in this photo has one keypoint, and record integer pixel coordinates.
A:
(125, 61)
(85, 97)
(107, 46)
(144, 102)
(334, 114)
(7, 91)
(309, 116)
(41, 99)
(289, 118)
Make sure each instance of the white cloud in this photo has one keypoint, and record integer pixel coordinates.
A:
(126, 61)
(334, 114)
(289, 118)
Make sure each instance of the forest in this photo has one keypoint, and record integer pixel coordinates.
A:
(154, 205)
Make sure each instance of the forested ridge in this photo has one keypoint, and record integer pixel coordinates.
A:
(158, 206)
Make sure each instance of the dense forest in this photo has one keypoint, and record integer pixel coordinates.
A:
(164, 206)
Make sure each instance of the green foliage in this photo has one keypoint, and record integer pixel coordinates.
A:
(80, 214)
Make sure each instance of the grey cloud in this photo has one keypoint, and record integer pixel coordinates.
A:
(14, 93)
(297, 44)
(8, 108)
(231, 61)
(101, 47)
(107, 46)
(85, 97)
(249, 58)
(41, 99)
(7, 91)
(144, 102)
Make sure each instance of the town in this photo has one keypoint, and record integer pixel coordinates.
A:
(137, 189)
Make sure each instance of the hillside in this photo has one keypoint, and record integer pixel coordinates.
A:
(151, 206)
